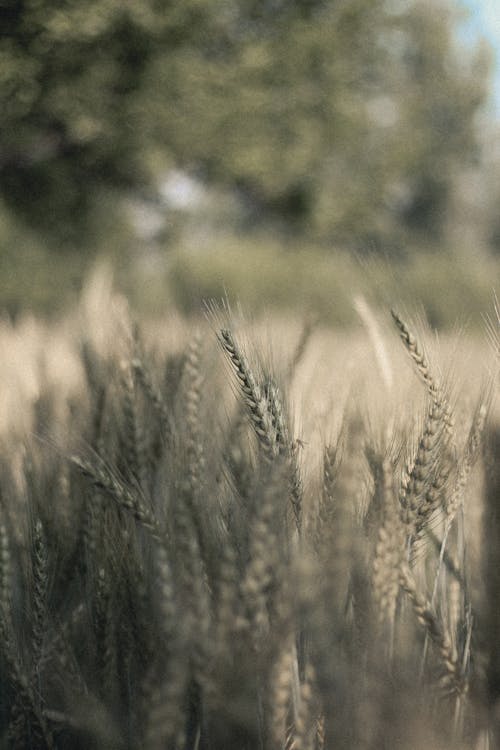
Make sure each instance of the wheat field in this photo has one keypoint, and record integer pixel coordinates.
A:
(253, 535)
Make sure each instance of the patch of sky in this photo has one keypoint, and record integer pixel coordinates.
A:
(482, 21)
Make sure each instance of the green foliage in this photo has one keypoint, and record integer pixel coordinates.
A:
(260, 272)
(31, 276)
(267, 275)
(347, 120)
(71, 82)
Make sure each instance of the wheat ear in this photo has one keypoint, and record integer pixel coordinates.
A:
(417, 354)
(40, 585)
(389, 549)
(103, 479)
(253, 397)
(452, 681)
(416, 484)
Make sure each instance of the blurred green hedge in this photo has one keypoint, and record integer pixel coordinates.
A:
(265, 275)
(260, 271)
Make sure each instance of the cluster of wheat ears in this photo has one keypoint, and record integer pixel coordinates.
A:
(182, 565)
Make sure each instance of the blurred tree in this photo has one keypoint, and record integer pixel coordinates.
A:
(269, 108)
(440, 91)
(345, 119)
(71, 77)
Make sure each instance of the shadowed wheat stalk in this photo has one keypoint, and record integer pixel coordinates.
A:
(182, 573)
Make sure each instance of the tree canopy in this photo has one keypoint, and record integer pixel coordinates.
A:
(339, 118)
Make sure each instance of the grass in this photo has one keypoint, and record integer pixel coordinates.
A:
(268, 276)
(236, 535)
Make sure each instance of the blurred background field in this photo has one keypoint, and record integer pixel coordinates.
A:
(287, 154)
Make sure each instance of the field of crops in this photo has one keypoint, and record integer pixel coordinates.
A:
(254, 535)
